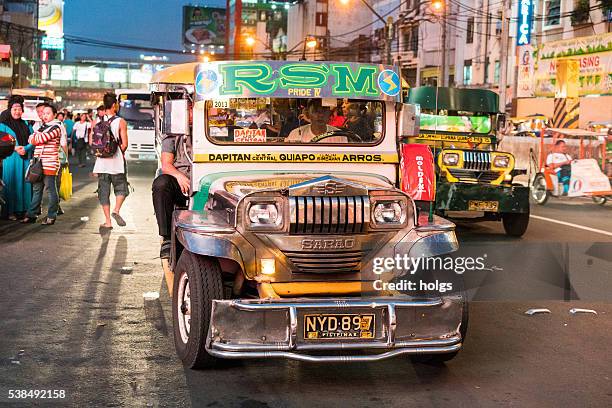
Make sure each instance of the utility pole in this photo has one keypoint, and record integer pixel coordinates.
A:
(503, 55)
(389, 35)
(444, 65)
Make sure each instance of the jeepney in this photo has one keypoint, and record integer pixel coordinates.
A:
(288, 216)
(475, 181)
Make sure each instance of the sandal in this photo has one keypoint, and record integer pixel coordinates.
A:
(12, 218)
(28, 220)
(164, 251)
(118, 219)
(48, 221)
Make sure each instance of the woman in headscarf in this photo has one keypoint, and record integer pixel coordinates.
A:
(17, 192)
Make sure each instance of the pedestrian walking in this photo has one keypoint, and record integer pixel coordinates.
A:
(81, 132)
(111, 131)
(17, 193)
(47, 142)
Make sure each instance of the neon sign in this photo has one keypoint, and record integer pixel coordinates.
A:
(525, 17)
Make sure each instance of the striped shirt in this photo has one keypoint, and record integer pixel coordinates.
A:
(47, 142)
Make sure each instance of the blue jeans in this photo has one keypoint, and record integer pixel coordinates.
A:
(38, 188)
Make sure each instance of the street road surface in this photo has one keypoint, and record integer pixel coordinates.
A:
(73, 318)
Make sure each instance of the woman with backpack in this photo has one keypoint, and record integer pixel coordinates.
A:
(47, 142)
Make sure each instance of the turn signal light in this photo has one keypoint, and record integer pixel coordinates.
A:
(268, 266)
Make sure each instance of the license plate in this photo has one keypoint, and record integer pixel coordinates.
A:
(333, 326)
(475, 205)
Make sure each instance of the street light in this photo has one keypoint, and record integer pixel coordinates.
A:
(310, 42)
(250, 41)
(437, 5)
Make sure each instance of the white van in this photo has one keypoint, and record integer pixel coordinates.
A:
(135, 107)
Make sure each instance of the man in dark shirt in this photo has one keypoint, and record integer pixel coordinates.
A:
(171, 188)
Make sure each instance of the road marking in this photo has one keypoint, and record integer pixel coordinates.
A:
(569, 224)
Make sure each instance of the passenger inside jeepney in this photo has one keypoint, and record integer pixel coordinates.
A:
(358, 121)
(319, 117)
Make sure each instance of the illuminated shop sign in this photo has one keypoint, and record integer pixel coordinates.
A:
(285, 79)
(52, 43)
(525, 17)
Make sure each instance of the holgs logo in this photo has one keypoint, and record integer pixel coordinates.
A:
(328, 243)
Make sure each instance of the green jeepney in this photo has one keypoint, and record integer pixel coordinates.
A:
(474, 179)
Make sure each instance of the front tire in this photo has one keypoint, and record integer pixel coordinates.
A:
(515, 224)
(600, 200)
(197, 282)
(539, 192)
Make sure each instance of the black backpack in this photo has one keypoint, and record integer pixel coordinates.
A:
(103, 142)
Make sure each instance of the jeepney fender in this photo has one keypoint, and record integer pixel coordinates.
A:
(434, 244)
(209, 245)
(432, 238)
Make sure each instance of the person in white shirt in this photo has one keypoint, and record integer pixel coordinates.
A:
(112, 170)
(561, 162)
(81, 131)
(319, 117)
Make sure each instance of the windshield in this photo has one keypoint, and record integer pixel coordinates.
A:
(295, 121)
(136, 110)
(460, 123)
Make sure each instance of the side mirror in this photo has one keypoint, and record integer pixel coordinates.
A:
(411, 120)
(176, 117)
(501, 121)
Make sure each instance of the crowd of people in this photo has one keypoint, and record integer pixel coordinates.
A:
(49, 142)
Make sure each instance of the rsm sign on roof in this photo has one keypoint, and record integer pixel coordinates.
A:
(525, 17)
(293, 79)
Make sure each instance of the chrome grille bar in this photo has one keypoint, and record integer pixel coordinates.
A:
(328, 214)
(476, 160)
(325, 262)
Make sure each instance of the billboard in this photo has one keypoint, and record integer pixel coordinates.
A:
(51, 17)
(594, 58)
(203, 26)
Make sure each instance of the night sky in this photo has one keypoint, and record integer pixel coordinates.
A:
(148, 23)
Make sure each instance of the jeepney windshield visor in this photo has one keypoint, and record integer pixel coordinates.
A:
(274, 121)
(459, 122)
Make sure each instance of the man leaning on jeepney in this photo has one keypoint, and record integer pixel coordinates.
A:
(171, 188)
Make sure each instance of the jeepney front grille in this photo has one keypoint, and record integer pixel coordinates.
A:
(328, 215)
(476, 160)
(471, 175)
(325, 262)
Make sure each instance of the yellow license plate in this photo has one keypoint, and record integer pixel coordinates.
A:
(475, 205)
(334, 326)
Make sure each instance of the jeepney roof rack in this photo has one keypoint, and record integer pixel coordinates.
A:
(454, 99)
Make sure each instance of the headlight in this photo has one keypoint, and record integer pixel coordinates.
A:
(389, 212)
(450, 159)
(501, 161)
(264, 214)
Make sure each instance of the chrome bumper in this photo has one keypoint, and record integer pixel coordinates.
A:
(274, 328)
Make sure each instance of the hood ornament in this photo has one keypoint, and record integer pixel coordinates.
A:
(327, 186)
